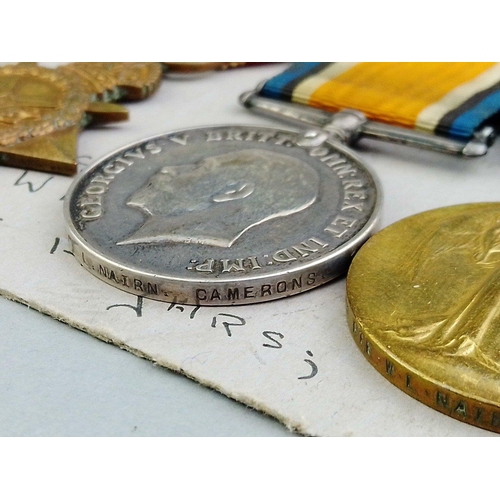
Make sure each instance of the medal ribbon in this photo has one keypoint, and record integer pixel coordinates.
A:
(446, 99)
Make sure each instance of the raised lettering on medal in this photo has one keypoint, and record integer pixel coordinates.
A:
(221, 215)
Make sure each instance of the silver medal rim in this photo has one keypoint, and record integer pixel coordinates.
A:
(346, 250)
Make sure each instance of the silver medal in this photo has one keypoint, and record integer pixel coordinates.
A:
(222, 215)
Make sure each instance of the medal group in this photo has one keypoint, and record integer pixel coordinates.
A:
(238, 215)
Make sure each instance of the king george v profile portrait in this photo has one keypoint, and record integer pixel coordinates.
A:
(216, 200)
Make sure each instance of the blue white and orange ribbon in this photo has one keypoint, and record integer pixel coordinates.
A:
(446, 99)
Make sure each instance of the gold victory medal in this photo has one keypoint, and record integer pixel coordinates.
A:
(42, 109)
(423, 300)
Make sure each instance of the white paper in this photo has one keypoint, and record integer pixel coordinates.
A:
(292, 358)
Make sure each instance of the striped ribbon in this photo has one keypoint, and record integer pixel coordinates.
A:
(447, 99)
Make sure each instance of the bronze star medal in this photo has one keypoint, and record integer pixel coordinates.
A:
(42, 110)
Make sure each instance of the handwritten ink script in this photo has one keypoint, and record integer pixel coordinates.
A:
(228, 321)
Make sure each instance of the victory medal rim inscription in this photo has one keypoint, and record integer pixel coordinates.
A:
(423, 306)
(222, 215)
